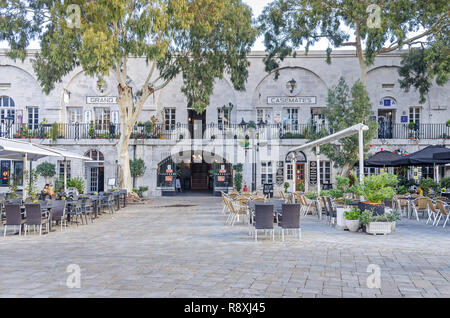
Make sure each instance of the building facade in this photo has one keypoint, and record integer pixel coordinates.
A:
(256, 127)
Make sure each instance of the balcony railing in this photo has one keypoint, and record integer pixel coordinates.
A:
(77, 131)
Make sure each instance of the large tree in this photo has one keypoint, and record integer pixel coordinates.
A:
(374, 27)
(203, 40)
(346, 107)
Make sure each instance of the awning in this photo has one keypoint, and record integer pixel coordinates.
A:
(442, 155)
(382, 159)
(424, 157)
(15, 150)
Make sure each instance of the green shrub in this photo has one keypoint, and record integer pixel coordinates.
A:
(46, 170)
(286, 187)
(377, 189)
(301, 187)
(445, 182)
(77, 183)
(312, 195)
(353, 214)
(402, 190)
(427, 184)
(137, 167)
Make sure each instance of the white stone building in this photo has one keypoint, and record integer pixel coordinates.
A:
(189, 143)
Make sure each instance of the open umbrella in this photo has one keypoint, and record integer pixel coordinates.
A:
(442, 155)
(382, 159)
(424, 157)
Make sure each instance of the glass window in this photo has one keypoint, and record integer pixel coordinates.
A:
(74, 115)
(18, 172)
(5, 166)
(264, 114)
(289, 171)
(61, 170)
(414, 115)
(428, 172)
(33, 118)
(169, 118)
(102, 118)
(6, 108)
(266, 172)
(223, 117)
(325, 172)
(290, 118)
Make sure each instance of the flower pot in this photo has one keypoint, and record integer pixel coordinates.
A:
(352, 225)
(379, 228)
(340, 220)
(376, 208)
(393, 224)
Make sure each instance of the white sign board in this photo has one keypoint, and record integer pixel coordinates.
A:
(286, 100)
(101, 100)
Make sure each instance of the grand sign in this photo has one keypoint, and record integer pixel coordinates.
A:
(101, 100)
(286, 100)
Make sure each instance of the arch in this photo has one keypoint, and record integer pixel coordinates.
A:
(256, 95)
(388, 101)
(95, 155)
(381, 67)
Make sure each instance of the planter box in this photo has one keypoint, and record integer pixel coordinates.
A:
(340, 220)
(379, 228)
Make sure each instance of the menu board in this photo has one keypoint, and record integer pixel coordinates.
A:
(313, 172)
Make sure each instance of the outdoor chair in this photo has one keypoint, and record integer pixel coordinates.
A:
(290, 219)
(263, 219)
(237, 210)
(107, 201)
(86, 209)
(35, 218)
(443, 212)
(282, 195)
(433, 212)
(420, 205)
(75, 212)
(14, 201)
(13, 217)
(59, 212)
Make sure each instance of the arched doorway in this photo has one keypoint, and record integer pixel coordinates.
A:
(198, 172)
(95, 171)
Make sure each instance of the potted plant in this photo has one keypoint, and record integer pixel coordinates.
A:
(393, 216)
(301, 186)
(286, 187)
(379, 224)
(46, 170)
(448, 123)
(352, 219)
(376, 190)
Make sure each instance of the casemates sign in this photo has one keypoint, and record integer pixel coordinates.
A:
(286, 100)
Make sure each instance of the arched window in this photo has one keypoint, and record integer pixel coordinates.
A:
(95, 155)
(388, 102)
(7, 106)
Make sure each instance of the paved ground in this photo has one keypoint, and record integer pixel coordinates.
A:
(158, 251)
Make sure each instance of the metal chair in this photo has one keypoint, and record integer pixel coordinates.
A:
(59, 212)
(263, 219)
(86, 209)
(290, 219)
(13, 217)
(35, 218)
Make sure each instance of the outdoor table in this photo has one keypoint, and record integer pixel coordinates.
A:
(277, 206)
(409, 199)
(124, 197)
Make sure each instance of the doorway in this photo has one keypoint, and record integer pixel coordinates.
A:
(300, 175)
(197, 124)
(386, 118)
(97, 179)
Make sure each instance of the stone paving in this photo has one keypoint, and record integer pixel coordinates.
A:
(188, 251)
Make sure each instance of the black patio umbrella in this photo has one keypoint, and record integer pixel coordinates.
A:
(382, 159)
(423, 157)
(442, 155)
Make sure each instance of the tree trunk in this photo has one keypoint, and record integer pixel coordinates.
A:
(345, 171)
(125, 180)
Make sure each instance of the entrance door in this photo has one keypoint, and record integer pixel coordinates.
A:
(300, 175)
(197, 124)
(385, 123)
(97, 179)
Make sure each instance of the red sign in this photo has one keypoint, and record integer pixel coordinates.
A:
(169, 171)
(222, 171)
(169, 178)
(221, 179)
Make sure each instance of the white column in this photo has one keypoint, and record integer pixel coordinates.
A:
(318, 170)
(294, 174)
(24, 177)
(361, 156)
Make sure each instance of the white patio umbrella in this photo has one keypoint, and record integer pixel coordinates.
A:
(22, 150)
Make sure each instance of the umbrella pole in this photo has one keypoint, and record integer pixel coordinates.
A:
(65, 174)
(318, 181)
(24, 176)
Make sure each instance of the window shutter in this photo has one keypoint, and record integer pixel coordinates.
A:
(115, 116)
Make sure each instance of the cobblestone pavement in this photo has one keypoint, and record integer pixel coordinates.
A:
(188, 251)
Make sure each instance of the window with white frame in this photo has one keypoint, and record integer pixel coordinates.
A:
(7, 106)
(266, 172)
(290, 118)
(289, 172)
(61, 170)
(428, 172)
(169, 118)
(325, 172)
(102, 118)
(74, 115)
(414, 115)
(33, 117)
(223, 117)
(264, 115)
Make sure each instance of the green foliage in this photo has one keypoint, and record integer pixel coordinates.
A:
(31, 187)
(143, 189)
(238, 167)
(14, 186)
(353, 214)
(402, 190)
(404, 181)
(301, 186)
(137, 167)
(377, 189)
(46, 169)
(366, 217)
(445, 182)
(412, 126)
(92, 132)
(427, 184)
(346, 108)
(238, 181)
(149, 128)
(77, 183)
(347, 201)
(286, 187)
(394, 216)
(312, 195)
(54, 131)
